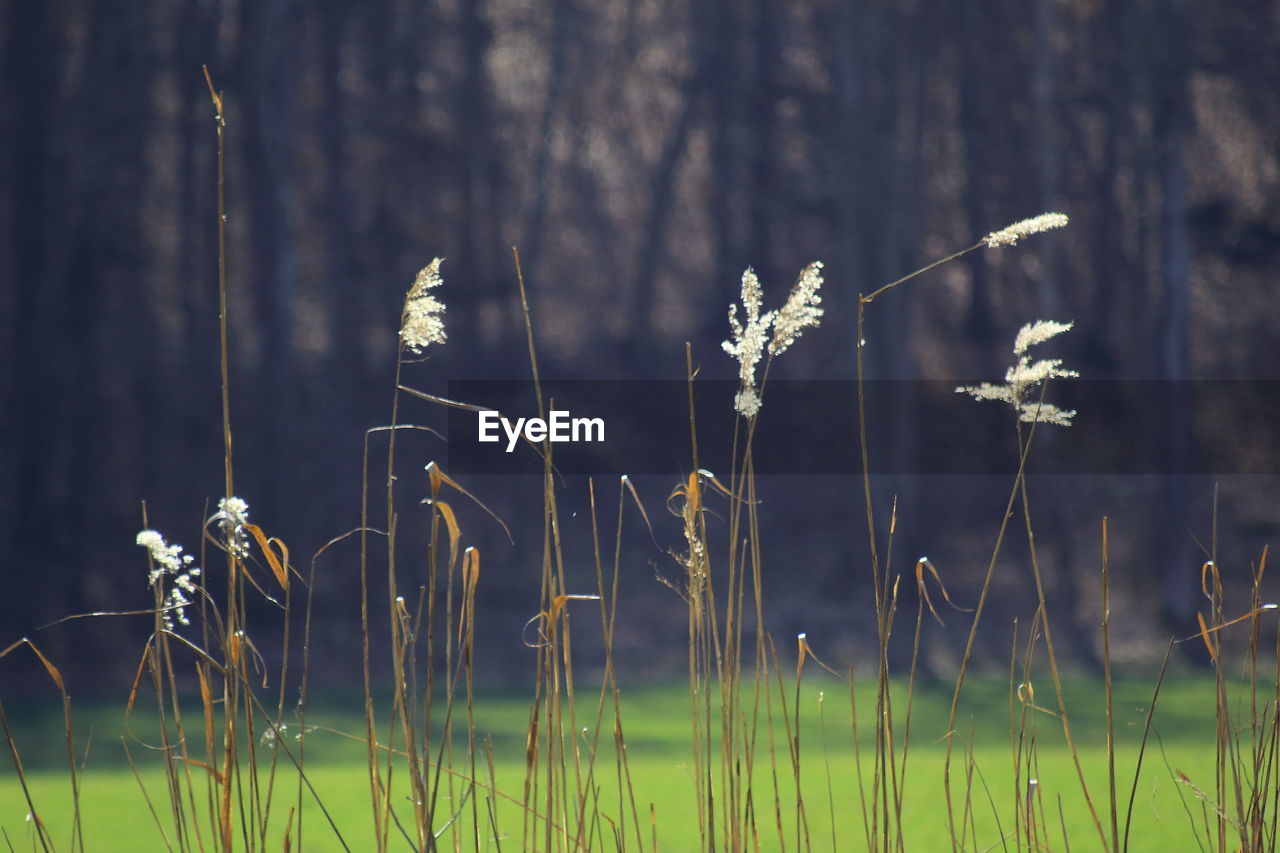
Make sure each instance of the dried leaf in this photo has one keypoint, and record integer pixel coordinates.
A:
(1204, 635)
(279, 565)
(438, 478)
(455, 532)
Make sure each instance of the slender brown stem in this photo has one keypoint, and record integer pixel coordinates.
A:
(948, 259)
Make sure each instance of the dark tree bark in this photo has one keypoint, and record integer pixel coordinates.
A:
(197, 45)
(32, 500)
(1110, 263)
(1043, 85)
(764, 191)
(562, 13)
(723, 90)
(706, 49)
(475, 140)
(269, 63)
(850, 96)
(974, 97)
(1173, 123)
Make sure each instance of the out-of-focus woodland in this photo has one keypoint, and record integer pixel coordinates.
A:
(640, 154)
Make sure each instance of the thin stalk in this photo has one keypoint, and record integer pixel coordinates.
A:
(977, 618)
(231, 689)
(1050, 651)
(1106, 675)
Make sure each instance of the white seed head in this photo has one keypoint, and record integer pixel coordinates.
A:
(800, 311)
(1010, 235)
(774, 330)
(1045, 413)
(1037, 333)
(169, 560)
(234, 510)
(748, 340)
(422, 323)
(232, 516)
(747, 402)
(1021, 379)
(152, 541)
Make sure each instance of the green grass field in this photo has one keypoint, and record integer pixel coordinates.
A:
(116, 816)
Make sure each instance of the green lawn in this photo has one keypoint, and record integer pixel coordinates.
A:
(116, 816)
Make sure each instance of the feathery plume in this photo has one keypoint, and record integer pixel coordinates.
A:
(422, 322)
(1010, 235)
(169, 560)
(751, 335)
(800, 311)
(748, 342)
(1037, 333)
(231, 517)
(1021, 379)
(747, 402)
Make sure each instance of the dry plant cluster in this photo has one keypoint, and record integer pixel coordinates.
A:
(222, 790)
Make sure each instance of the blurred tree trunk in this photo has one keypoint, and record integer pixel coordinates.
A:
(33, 175)
(1173, 123)
(1070, 570)
(1113, 60)
(197, 45)
(109, 261)
(850, 94)
(763, 190)
(100, 426)
(707, 50)
(1046, 135)
(476, 136)
(881, 92)
(345, 305)
(557, 47)
(912, 68)
(269, 65)
(853, 72)
(974, 96)
(726, 119)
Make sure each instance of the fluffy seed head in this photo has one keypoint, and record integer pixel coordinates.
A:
(747, 402)
(422, 323)
(232, 516)
(234, 510)
(800, 311)
(1009, 236)
(1037, 333)
(748, 339)
(772, 330)
(168, 560)
(1025, 375)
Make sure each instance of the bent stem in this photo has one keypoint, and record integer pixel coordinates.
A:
(881, 578)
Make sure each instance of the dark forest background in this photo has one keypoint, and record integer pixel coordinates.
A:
(640, 154)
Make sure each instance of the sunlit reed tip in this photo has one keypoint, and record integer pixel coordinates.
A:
(1010, 235)
(423, 323)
